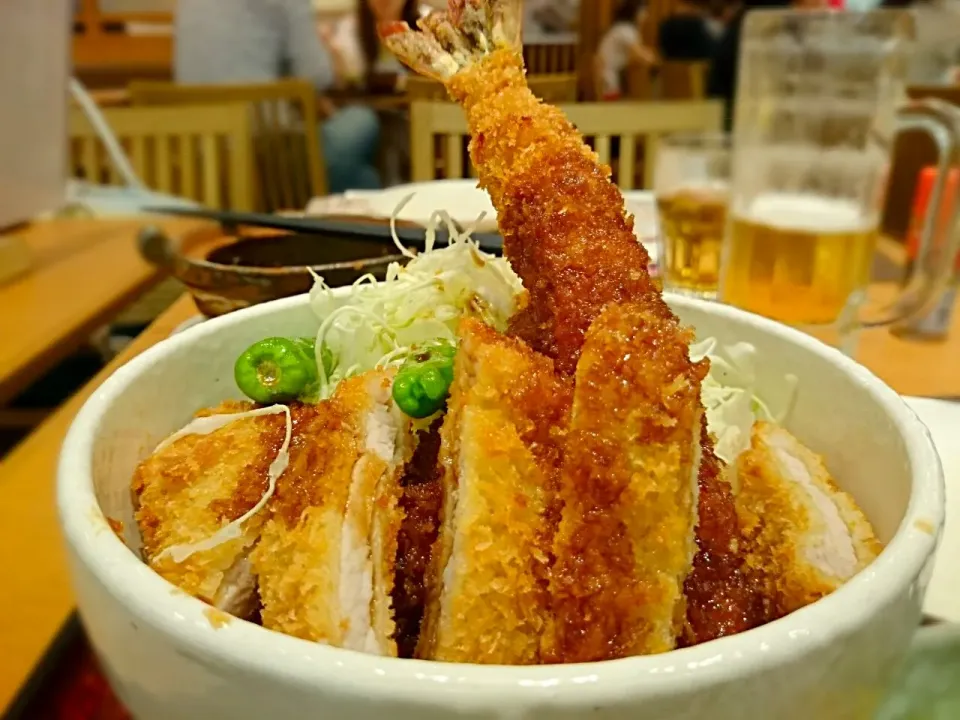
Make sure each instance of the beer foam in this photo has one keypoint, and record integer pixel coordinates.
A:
(812, 213)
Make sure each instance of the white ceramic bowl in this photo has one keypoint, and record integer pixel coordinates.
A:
(166, 658)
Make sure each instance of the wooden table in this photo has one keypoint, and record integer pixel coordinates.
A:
(84, 271)
(36, 597)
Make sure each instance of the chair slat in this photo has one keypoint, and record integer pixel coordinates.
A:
(602, 121)
(650, 159)
(454, 152)
(162, 165)
(174, 150)
(188, 163)
(602, 147)
(628, 159)
(211, 170)
(281, 181)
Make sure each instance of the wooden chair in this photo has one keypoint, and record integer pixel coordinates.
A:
(550, 58)
(604, 124)
(557, 88)
(200, 152)
(639, 82)
(286, 140)
(683, 80)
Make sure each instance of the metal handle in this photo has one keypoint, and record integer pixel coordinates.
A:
(934, 264)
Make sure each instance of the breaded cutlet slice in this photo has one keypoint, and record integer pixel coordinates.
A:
(185, 492)
(629, 488)
(487, 587)
(326, 558)
(804, 536)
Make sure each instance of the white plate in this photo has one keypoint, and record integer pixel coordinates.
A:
(461, 198)
(943, 420)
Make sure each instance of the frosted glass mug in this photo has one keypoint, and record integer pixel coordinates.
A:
(820, 97)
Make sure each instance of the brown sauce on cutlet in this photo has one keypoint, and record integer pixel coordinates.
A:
(720, 598)
(421, 503)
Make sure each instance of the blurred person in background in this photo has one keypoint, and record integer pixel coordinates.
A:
(376, 58)
(549, 17)
(621, 46)
(722, 78)
(686, 35)
(719, 13)
(250, 41)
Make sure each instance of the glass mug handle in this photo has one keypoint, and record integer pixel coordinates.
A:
(934, 264)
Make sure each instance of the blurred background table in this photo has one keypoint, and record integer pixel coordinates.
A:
(84, 271)
(36, 598)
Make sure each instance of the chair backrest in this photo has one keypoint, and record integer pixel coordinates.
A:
(550, 58)
(555, 88)
(683, 80)
(600, 123)
(286, 138)
(200, 152)
(638, 82)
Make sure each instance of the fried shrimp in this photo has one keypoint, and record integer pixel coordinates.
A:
(566, 232)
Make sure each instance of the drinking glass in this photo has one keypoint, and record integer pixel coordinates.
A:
(819, 100)
(691, 183)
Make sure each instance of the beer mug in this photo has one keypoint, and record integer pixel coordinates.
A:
(818, 104)
(691, 183)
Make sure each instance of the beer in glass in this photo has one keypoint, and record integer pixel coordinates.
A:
(816, 114)
(691, 184)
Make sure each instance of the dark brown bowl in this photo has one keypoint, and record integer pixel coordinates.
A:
(229, 271)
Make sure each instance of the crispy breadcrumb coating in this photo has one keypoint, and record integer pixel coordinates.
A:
(803, 536)
(565, 229)
(626, 539)
(500, 441)
(335, 510)
(187, 491)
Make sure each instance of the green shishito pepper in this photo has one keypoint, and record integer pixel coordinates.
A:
(279, 369)
(423, 381)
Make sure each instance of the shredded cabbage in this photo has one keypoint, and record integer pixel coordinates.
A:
(378, 324)
(729, 395)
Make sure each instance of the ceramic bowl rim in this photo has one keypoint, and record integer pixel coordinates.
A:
(260, 652)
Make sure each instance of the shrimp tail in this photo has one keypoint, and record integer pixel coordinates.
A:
(455, 39)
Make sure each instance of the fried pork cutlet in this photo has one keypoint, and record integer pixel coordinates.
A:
(629, 488)
(487, 590)
(804, 537)
(326, 558)
(721, 599)
(189, 489)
